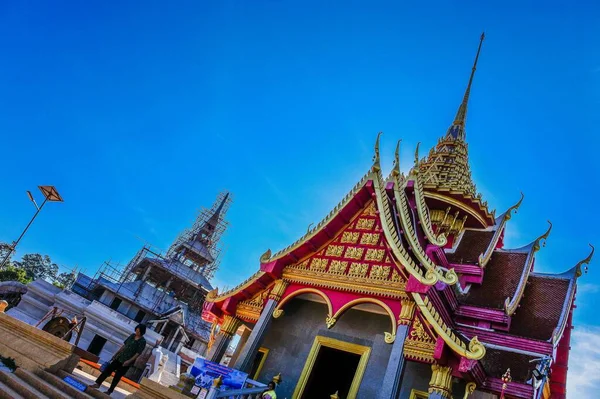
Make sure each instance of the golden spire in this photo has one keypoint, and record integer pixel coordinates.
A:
(457, 128)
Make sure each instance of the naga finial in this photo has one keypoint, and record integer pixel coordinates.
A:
(396, 165)
(417, 154)
(585, 262)
(266, 256)
(376, 166)
(536, 245)
(515, 207)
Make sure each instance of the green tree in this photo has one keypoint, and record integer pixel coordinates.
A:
(11, 273)
(37, 266)
(64, 280)
(4, 249)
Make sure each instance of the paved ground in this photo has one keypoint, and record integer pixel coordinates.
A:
(89, 379)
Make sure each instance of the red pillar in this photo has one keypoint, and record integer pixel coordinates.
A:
(558, 379)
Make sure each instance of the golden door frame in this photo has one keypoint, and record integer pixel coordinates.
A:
(320, 341)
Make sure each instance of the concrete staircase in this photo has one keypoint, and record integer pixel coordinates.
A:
(23, 384)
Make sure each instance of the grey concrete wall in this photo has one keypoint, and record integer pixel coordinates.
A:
(290, 339)
(416, 376)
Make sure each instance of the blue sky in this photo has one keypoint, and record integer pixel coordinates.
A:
(141, 112)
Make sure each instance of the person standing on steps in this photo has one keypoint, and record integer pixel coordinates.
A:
(132, 347)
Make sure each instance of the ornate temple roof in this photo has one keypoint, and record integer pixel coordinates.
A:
(471, 245)
(501, 280)
(542, 306)
(446, 169)
(433, 229)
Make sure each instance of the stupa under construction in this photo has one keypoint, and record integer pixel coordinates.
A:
(165, 291)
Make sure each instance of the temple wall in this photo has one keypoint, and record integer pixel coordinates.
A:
(416, 376)
(290, 338)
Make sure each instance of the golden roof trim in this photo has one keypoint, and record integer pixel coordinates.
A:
(450, 277)
(511, 304)
(585, 261)
(474, 351)
(359, 285)
(213, 295)
(375, 168)
(485, 257)
(392, 238)
(458, 204)
(423, 213)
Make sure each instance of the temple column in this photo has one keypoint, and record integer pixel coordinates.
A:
(226, 332)
(390, 388)
(243, 339)
(440, 386)
(173, 338)
(248, 352)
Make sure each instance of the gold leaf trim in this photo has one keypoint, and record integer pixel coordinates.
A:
(475, 349)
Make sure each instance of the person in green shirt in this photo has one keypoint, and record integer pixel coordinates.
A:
(270, 392)
(121, 361)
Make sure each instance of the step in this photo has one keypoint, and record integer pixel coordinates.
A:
(7, 392)
(61, 385)
(20, 386)
(93, 392)
(43, 386)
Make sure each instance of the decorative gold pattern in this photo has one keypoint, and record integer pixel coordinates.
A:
(469, 389)
(380, 272)
(229, 326)
(251, 309)
(277, 313)
(475, 350)
(371, 210)
(418, 331)
(374, 255)
(484, 221)
(330, 321)
(421, 351)
(353, 252)
(450, 276)
(335, 250)
(392, 288)
(278, 290)
(420, 343)
(441, 380)
(369, 238)
(338, 267)
(319, 264)
(363, 351)
(407, 312)
(350, 237)
(365, 224)
(358, 269)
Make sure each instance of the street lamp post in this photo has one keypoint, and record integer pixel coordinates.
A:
(50, 194)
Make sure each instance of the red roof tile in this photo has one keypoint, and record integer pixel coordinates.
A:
(500, 281)
(472, 244)
(540, 308)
